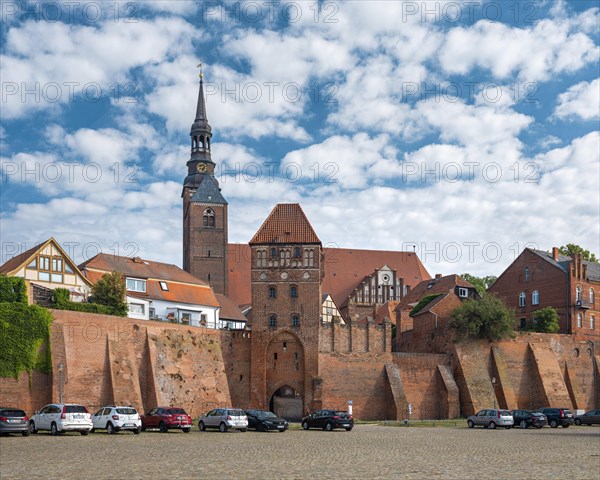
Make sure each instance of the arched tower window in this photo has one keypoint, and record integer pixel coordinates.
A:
(272, 321)
(522, 300)
(578, 291)
(272, 292)
(208, 219)
(295, 320)
(592, 295)
(294, 291)
(535, 297)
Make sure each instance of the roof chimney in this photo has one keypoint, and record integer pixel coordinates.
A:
(555, 254)
(438, 276)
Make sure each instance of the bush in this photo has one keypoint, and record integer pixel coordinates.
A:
(545, 320)
(61, 300)
(25, 333)
(13, 289)
(110, 291)
(487, 318)
(423, 302)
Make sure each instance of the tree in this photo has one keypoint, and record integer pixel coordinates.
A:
(545, 320)
(110, 291)
(487, 318)
(481, 284)
(570, 248)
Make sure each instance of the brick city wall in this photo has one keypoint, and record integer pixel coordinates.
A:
(346, 338)
(236, 355)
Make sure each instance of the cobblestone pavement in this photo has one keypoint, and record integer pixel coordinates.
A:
(368, 452)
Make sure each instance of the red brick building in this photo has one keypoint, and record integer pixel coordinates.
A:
(569, 284)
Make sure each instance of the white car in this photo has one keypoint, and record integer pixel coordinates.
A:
(60, 418)
(116, 418)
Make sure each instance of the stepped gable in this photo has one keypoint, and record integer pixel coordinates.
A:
(286, 224)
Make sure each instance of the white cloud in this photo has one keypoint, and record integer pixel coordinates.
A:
(581, 100)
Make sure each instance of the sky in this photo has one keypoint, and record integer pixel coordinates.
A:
(463, 131)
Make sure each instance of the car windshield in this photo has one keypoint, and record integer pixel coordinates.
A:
(176, 411)
(340, 413)
(126, 411)
(505, 413)
(236, 413)
(537, 414)
(12, 413)
(75, 409)
(266, 415)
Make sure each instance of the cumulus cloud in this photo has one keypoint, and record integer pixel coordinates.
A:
(581, 100)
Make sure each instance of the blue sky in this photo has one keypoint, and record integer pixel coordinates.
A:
(464, 130)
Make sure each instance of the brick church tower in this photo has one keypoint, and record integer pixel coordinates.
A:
(287, 271)
(204, 208)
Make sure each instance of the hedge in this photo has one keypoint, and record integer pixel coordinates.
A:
(13, 289)
(61, 301)
(25, 334)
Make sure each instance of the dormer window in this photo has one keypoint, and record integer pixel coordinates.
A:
(136, 285)
(163, 286)
(463, 292)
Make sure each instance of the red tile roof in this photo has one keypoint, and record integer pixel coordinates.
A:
(229, 309)
(438, 285)
(18, 260)
(183, 287)
(344, 270)
(286, 223)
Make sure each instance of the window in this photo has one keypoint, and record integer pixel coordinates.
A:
(526, 274)
(261, 258)
(535, 297)
(591, 295)
(208, 219)
(136, 285)
(592, 322)
(579, 320)
(57, 277)
(297, 252)
(272, 321)
(578, 293)
(463, 292)
(522, 324)
(137, 308)
(152, 312)
(295, 360)
(33, 263)
(163, 286)
(44, 263)
(203, 319)
(275, 360)
(44, 276)
(273, 252)
(294, 291)
(186, 317)
(68, 269)
(295, 321)
(57, 265)
(522, 299)
(272, 292)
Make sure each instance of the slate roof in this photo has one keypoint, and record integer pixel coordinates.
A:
(209, 192)
(563, 262)
(344, 270)
(286, 224)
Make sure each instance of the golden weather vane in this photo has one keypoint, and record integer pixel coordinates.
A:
(200, 67)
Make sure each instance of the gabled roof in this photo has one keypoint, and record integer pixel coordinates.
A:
(209, 192)
(23, 259)
(229, 309)
(344, 270)
(432, 286)
(286, 223)
(563, 262)
(383, 311)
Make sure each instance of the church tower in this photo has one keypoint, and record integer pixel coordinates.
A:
(204, 208)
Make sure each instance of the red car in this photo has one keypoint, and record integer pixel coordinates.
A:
(165, 418)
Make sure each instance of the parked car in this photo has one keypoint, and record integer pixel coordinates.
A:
(590, 418)
(328, 420)
(491, 418)
(263, 421)
(59, 418)
(526, 419)
(224, 419)
(557, 416)
(116, 418)
(167, 418)
(13, 420)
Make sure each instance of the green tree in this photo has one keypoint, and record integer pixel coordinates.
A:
(13, 289)
(487, 318)
(545, 320)
(110, 291)
(481, 284)
(570, 248)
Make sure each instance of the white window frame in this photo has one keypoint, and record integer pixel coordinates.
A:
(522, 299)
(463, 292)
(592, 322)
(134, 281)
(138, 308)
(535, 297)
(579, 320)
(163, 286)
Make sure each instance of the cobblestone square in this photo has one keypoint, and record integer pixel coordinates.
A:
(368, 452)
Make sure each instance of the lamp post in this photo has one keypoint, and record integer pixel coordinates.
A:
(60, 382)
(494, 390)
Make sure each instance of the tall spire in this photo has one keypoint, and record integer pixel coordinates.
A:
(201, 131)
(201, 107)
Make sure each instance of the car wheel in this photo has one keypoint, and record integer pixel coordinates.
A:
(110, 428)
(261, 427)
(53, 429)
(577, 421)
(553, 423)
(25, 433)
(163, 427)
(329, 426)
(305, 425)
(222, 428)
(523, 424)
(84, 432)
(143, 428)
(348, 429)
(565, 426)
(32, 428)
(93, 430)
(187, 430)
(492, 425)
(137, 431)
(470, 424)
(243, 429)
(201, 426)
(538, 426)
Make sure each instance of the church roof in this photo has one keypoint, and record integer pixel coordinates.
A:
(286, 224)
(209, 192)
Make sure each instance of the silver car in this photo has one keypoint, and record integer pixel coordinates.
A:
(491, 418)
(224, 419)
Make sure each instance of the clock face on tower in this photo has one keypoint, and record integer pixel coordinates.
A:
(201, 167)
